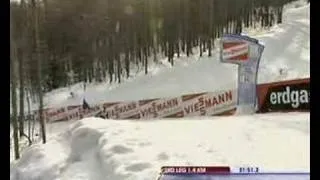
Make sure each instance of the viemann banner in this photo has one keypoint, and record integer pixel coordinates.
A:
(246, 53)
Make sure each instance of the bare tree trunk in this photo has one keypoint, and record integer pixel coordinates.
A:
(209, 47)
(21, 98)
(145, 60)
(32, 117)
(154, 48)
(127, 62)
(211, 33)
(171, 52)
(238, 26)
(39, 73)
(29, 116)
(33, 128)
(13, 94)
(178, 49)
(279, 14)
(200, 47)
(14, 111)
(118, 67)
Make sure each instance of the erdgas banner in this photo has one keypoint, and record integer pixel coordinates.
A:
(246, 53)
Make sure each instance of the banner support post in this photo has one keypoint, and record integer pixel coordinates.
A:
(246, 53)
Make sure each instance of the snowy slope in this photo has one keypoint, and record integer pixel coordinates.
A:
(95, 149)
(286, 47)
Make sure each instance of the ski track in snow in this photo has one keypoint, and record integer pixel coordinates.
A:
(291, 50)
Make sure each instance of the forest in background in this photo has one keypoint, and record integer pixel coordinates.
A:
(70, 41)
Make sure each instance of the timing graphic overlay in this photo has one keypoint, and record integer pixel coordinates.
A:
(229, 173)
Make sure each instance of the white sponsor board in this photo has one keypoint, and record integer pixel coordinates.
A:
(122, 110)
(73, 112)
(193, 105)
(62, 114)
(157, 108)
(57, 114)
(208, 104)
(93, 111)
(202, 104)
(219, 102)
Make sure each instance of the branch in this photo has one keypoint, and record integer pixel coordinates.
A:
(29, 139)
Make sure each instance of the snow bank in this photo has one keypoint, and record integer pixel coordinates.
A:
(97, 149)
(52, 130)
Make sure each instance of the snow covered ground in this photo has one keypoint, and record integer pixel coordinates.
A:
(94, 149)
(52, 129)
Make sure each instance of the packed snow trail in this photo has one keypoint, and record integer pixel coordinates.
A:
(96, 149)
(287, 46)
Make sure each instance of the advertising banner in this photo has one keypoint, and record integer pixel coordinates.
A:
(62, 114)
(160, 108)
(57, 114)
(194, 105)
(235, 50)
(221, 102)
(208, 104)
(291, 95)
(246, 53)
(73, 112)
(122, 110)
(91, 112)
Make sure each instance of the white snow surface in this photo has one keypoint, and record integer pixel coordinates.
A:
(98, 149)
(94, 149)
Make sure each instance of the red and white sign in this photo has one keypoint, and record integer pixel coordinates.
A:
(63, 114)
(57, 114)
(73, 112)
(160, 108)
(193, 105)
(93, 111)
(201, 104)
(235, 51)
(220, 102)
(208, 104)
(122, 110)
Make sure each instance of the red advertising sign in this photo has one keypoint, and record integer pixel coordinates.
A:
(235, 51)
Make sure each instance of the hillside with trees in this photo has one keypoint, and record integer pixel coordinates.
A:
(61, 42)
(57, 43)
